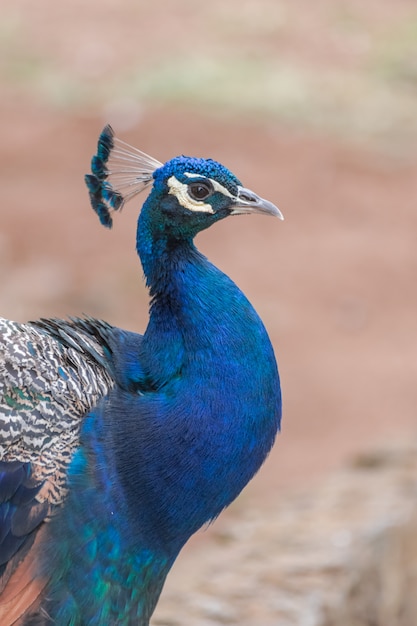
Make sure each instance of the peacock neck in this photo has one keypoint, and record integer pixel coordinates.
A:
(215, 392)
(178, 451)
(161, 258)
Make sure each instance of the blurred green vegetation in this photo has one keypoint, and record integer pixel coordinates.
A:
(339, 67)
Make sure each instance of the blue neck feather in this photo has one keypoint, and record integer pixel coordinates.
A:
(177, 454)
(218, 396)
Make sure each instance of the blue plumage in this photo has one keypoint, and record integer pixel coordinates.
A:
(175, 422)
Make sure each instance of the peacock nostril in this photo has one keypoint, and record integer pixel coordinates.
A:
(246, 197)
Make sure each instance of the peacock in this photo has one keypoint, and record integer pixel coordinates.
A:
(116, 447)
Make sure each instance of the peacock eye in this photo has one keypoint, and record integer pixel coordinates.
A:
(200, 191)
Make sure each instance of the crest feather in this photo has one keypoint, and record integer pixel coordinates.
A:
(118, 173)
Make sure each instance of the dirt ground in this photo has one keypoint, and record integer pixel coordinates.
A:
(334, 283)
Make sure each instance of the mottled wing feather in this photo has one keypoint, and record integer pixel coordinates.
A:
(50, 377)
(46, 386)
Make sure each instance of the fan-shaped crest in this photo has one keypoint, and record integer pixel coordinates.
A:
(119, 172)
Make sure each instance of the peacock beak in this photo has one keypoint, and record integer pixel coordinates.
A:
(248, 202)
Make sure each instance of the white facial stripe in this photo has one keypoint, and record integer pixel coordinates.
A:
(217, 186)
(180, 190)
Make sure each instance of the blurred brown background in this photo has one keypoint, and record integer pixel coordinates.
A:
(313, 106)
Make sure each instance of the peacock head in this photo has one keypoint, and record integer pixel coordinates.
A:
(188, 194)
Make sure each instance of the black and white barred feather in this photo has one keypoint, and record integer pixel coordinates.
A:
(52, 373)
